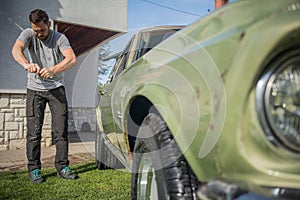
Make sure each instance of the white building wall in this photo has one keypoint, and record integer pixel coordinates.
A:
(106, 14)
(81, 80)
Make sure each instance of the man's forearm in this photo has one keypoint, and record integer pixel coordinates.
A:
(19, 57)
(64, 65)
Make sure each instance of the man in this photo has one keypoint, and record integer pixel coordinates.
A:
(50, 55)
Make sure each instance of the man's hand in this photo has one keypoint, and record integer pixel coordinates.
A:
(46, 72)
(35, 68)
(32, 68)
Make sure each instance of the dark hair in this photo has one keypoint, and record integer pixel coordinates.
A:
(38, 15)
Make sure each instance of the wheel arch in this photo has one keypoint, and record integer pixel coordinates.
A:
(139, 108)
(145, 102)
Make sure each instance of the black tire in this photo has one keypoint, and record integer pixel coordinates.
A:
(160, 171)
(105, 159)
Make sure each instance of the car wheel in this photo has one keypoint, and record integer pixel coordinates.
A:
(160, 171)
(105, 159)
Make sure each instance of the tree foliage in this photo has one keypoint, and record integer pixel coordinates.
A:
(103, 66)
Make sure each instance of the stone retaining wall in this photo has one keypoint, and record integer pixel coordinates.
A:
(82, 119)
(13, 122)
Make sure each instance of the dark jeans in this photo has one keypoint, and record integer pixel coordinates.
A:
(35, 110)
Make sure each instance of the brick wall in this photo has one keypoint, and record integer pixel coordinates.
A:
(13, 122)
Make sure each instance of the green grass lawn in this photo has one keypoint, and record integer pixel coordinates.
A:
(92, 184)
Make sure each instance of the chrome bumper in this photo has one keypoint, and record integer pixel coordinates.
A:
(221, 190)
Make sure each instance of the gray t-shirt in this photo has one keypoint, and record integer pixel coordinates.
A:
(46, 54)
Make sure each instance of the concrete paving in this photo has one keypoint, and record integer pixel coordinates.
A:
(81, 149)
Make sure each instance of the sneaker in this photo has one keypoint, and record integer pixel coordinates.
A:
(67, 173)
(35, 176)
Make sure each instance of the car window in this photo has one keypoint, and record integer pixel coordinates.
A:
(121, 61)
(111, 64)
(150, 39)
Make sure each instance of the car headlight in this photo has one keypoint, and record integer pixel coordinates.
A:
(278, 101)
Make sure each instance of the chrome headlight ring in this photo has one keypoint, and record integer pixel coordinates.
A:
(278, 101)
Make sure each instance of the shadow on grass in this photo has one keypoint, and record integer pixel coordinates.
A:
(85, 168)
(78, 168)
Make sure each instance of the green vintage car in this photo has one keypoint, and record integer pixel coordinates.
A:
(212, 112)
